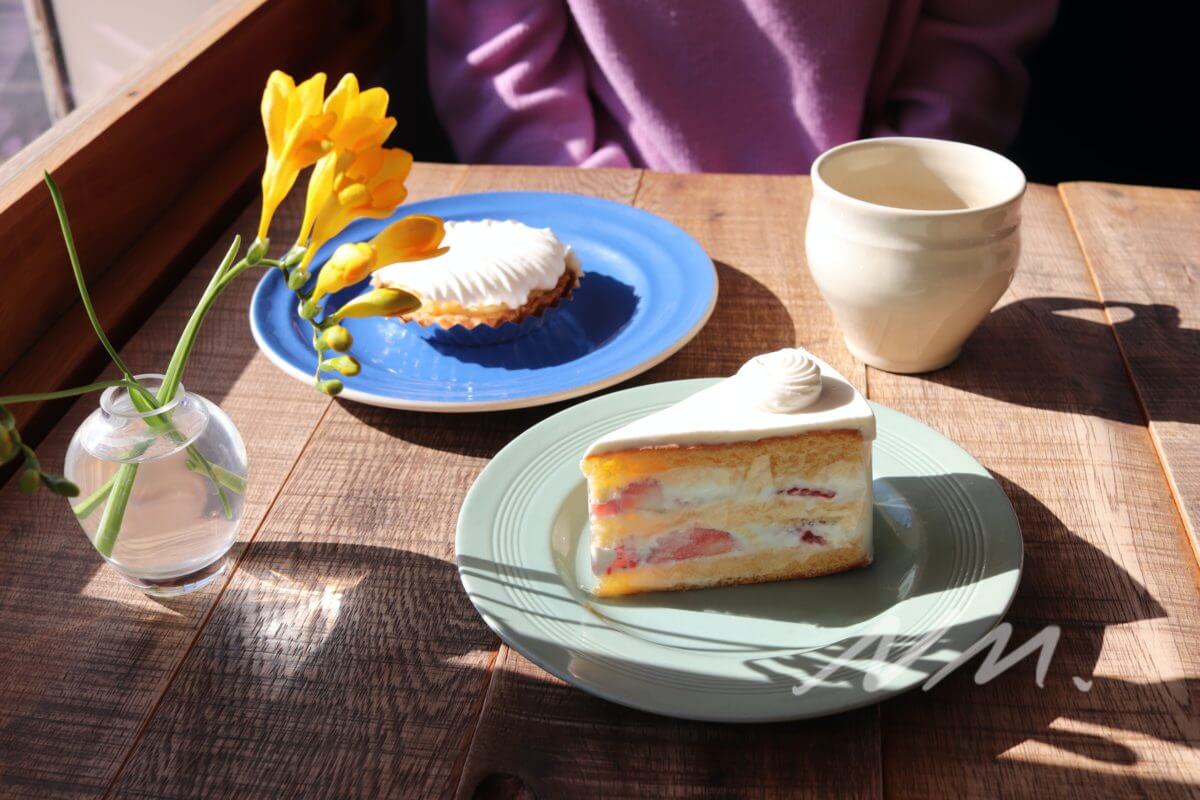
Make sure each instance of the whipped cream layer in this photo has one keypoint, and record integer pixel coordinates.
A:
(747, 406)
(698, 486)
(490, 264)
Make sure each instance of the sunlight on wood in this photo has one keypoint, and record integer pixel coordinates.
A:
(1074, 743)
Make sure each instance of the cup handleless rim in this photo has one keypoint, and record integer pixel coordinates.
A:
(823, 188)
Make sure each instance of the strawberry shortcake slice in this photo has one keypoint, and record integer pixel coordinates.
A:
(764, 476)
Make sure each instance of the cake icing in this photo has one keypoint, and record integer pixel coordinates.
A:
(786, 380)
(772, 395)
(488, 264)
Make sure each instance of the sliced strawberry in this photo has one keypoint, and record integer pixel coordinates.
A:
(644, 493)
(692, 543)
(812, 538)
(607, 509)
(626, 559)
(807, 491)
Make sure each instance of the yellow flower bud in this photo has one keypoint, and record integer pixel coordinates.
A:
(257, 251)
(346, 365)
(332, 387)
(60, 485)
(377, 303)
(8, 445)
(293, 257)
(337, 338)
(297, 279)
(348, 265)
(30, 479)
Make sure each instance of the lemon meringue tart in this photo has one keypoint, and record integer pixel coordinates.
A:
(493, 272)
(764, 476)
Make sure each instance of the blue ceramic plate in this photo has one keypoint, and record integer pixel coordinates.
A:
(647, 289)
(947, 563)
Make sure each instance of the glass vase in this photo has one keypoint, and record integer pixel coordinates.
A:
(182, 468)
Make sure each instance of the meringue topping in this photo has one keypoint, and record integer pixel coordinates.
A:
(735, 409)
(488, 264)
(785, 381)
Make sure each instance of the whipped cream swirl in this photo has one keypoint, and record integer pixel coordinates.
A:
(785, 381)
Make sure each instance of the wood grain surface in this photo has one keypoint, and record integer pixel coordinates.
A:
(537, 734)
(1041, 397)
(1143, 246)
(85, 657)
(342, 659)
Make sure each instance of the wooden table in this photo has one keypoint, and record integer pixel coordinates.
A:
(341, 658)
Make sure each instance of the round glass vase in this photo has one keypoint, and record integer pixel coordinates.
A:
(181, 470)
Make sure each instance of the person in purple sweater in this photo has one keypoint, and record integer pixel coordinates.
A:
(723, 85)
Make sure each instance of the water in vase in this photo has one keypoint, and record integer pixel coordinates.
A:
(187, 494)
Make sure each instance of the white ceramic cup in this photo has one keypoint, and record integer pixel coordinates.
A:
(911, 242)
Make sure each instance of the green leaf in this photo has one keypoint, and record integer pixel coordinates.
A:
(61, 209)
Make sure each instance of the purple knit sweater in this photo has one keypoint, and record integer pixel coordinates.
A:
(723, 85)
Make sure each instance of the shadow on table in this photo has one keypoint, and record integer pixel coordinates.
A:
(600, 308)
(1067, 582)
(361, 622)
(747, 320)
(1007, 358)
(478, 435)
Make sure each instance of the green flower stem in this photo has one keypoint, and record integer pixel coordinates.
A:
(230, 480)
(187, 339)
(146, 402)
(84, 508)
(114, 511)
(230, 276)
(122, 485)
(14, 399)
(223, 276)
(61, 209)
(117, 490)
(196, 463)
(110, 523)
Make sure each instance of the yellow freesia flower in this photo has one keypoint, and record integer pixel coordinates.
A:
(412, 238)
(345, 186)
(348, 265)
(377, 303)
(362, 120)
(297, 131)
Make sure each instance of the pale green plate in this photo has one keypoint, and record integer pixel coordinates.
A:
(947, 563)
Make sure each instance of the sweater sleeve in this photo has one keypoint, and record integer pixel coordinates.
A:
(510, 84)
(962, 76)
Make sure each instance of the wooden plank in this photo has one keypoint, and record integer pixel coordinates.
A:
(151, 176)
(1142, 246)
(345, 659)
(83, 657)
(1041, 397)
(537, 734)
